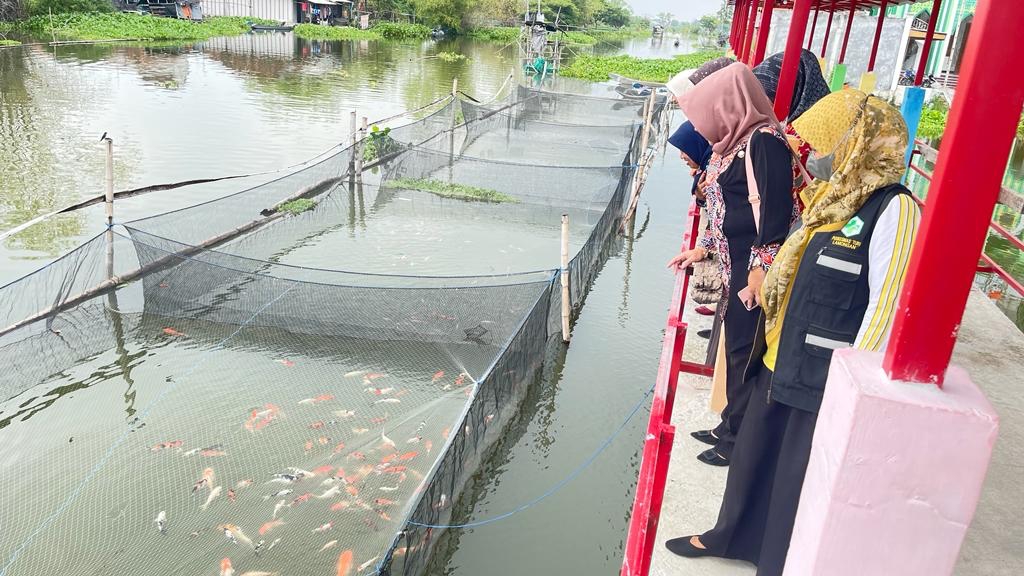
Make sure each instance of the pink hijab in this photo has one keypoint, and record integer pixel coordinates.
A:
(727, 106)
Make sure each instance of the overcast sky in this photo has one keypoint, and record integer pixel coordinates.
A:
(684, 10)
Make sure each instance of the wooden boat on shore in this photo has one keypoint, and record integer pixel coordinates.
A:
(271, 27)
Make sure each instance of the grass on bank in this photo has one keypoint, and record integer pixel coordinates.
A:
(510, 34)
(597, 68)
(130, 26)
(446, 190)
(9, 42)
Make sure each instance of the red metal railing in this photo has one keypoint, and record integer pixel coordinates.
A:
(987, 264)
(650, 489)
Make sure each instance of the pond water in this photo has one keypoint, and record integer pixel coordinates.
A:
(256, 104)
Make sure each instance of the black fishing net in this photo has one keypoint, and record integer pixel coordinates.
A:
(301, 377)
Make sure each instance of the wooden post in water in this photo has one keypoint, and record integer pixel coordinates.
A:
(451, 129)
(359, 151)
(641, 169)
(352, 137)
(565, 278)
(109, 204)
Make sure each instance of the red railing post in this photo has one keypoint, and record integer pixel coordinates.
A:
(762, 35)
(849, 26)
(751, 24)
(828, 28)
(878, 35)
(966, 185)
(929, 36)
(814, 25)
(791, 59)
(732, 26)
(740, 13)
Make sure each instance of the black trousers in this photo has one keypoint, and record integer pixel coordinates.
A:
(765, 478)
(740, 331)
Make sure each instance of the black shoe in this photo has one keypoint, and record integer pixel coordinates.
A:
(705, 334)
(705, 436)
(712, 457)
(684, 548)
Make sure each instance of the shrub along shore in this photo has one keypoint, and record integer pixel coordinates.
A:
(597, 68)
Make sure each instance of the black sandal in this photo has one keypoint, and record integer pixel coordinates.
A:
(705, 436)
(683, 547)
(712, 457)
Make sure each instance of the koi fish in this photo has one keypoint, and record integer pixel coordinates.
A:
(387, 401)
(379, 420)
(344, 413)
(323, 440)
(163, 285)
(340, 506)
(300, 499)
(408, 455)
(316, 425)
(414, 440)
(388, 458)
(380, 391)
(260, 419)
(345, 563)
(373, 376)
(235, 534)
(173, 332)
(268, 526)
(205, 480)
(192, 452)
(383, 516)
(213, 495)
(231, 495)
(460, 379)
(337, 449)
(308, 446)
(394, 469)
(324, 527)
(165, 445)
(388, 442)
(329, 545)
(437, 376)
(225, 567)
(445, 432)
(259, 546)
(389, 488)
(364, 565)
(284, 492)
(161, 522)
(330, 493)
(383, 502)
(272, 544)
(358, 431)
(299, 472)
(325, 469)
(488, 418)
(286, 362)
(357, 455)
(352, 490)
(243, 484)
(212, 452)
(428, 445)
(355, 373)
(277, 508)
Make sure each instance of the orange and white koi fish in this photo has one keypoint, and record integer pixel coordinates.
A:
(206, 480)
(317, 425)
(394, 469)
(268, 526)
(462, 378)
(352, 490)
(300, 499)
(358, 431)
(380, 391)
(345, 563)
(231, 495)
(488, 418)
(355, 373)
(324, 527)
(225, 567)
(337, 449)
(212, 452)
(317, 399)
(428, 445)
(445, 432)
(373, 376)
(165, 445)
(321, 470)
(437, 376)
(286, 362)
(213, 496)
(367, 564)
(329, 545)
(383, 502)
(323, 440)
(235, 534)
(277, 508)
(259, 419)
(414, 440)
(340, 505)
(378, 420)
(387, 442)
(243, 484)
(172, 332)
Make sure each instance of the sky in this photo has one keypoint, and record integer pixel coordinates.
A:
(684, 10)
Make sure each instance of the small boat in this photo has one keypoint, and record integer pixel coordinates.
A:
(271, 27)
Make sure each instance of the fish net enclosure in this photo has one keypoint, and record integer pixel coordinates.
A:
(299, 378)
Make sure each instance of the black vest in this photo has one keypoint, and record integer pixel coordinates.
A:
(829, 297)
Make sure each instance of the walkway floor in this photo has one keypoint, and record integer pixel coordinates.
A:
(990, 347)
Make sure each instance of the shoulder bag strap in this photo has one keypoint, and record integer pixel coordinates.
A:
(753, 195)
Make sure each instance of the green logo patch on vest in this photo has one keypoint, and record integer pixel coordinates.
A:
(853, 227)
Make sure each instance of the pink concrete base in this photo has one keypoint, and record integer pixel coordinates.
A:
(895, 473)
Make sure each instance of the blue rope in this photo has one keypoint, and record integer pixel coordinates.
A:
(558, 486)
(124, 436)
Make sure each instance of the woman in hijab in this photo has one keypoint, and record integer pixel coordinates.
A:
(694, 150)
(731, 110)
(834, 284)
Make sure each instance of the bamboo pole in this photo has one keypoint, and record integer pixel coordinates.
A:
(641, 170)
(359, 150)
(565, 278)
(109, 196)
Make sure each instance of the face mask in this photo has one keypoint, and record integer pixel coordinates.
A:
(821, 168)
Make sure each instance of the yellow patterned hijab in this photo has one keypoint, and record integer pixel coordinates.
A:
(872, 141)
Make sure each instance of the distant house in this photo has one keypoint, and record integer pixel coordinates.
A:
(277, 10)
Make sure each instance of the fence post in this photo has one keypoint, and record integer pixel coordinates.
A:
(109, 204)
(641, 169)
(352, 138)
(360, 149)
(565, 278)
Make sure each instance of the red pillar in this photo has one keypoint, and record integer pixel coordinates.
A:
(741, 26)
(749, 39)
(828, 29)
(735, 26)
(849, 26)
(928, 42)
(814, 25)
(762, 35)
(791, 59)
(965, 187)
(878, 35)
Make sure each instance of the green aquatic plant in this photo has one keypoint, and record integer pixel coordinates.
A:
(451, 190)
(401, 31)
(131, 26)
(297, 206)
(379, 144)
(597, 68)
(317, 32)
(501, 34)
(450, 56)
(9, 42)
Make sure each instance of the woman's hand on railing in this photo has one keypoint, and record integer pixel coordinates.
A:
(687, 258)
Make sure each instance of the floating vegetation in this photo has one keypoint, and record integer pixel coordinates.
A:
(450, 56)
(297, 206)
(379, 144)
(131, 26)
(502, 34)
(401, 31)
(450, 190)
(597, 68)
(9, 42)
(317, 32)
